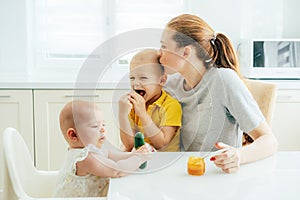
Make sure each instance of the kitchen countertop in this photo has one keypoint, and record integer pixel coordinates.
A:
(165, 177)
(62, 85)
(28, 84)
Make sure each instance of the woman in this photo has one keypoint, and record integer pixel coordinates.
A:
(217, 106)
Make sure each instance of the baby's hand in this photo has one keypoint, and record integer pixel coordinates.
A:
(150, 148)
(143, 151)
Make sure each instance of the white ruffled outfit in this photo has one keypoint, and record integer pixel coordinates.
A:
(71, 185)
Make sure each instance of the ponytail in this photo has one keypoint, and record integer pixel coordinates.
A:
(224, 53)
(214, 50)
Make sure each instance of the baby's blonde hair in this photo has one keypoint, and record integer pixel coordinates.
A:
(70, 111)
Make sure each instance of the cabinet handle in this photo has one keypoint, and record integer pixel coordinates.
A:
(284, 98)
(83, 95)
(5, 96)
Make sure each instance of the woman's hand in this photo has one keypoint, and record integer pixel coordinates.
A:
(228, 161)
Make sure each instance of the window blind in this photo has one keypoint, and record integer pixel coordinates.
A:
(67, 31)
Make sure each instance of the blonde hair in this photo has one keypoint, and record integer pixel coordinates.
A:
(70, 114)
(214, 49)
(146, 56)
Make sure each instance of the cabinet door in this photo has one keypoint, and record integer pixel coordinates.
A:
(16, 110)
(50, 144)
(285, 123)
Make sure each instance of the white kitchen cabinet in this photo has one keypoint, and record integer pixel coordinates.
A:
(50, 145)
(16, 110)
(286, 123)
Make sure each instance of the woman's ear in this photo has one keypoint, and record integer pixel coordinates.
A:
(163, 80)
(187, 51)
(72, 134)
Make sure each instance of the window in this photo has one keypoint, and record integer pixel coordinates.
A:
(133, 14)
(65, 32)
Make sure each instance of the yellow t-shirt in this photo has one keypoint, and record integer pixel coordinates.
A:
(165, 111)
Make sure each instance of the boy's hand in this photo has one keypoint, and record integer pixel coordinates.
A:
(138, 103)
(125, 105)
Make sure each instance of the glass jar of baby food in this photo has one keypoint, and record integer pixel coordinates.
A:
(196, 166)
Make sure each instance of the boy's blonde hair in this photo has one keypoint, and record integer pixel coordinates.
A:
(146, 57)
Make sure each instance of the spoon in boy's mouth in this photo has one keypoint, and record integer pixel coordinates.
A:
(140, 92)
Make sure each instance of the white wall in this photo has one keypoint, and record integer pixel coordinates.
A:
(243, 19)
(291, 15)
(262, 19)
(13, 38)
(240, 20)
(222, 16)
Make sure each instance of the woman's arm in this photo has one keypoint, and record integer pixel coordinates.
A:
(264, 145)
(246, 111)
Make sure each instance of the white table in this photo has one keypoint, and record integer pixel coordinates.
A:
(276, 178)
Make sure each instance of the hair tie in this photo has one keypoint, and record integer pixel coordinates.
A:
(214, 36)
(208, 60)
(212, 41)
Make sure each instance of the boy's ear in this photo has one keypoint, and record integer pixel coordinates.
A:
(72, 134)
(163, 80)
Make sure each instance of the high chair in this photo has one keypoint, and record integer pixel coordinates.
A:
(24, 180)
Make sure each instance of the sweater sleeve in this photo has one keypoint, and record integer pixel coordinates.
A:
(239, 103)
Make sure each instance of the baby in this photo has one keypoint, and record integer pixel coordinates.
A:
(90, 161)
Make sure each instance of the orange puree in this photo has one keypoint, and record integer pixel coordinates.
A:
(196, 166)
